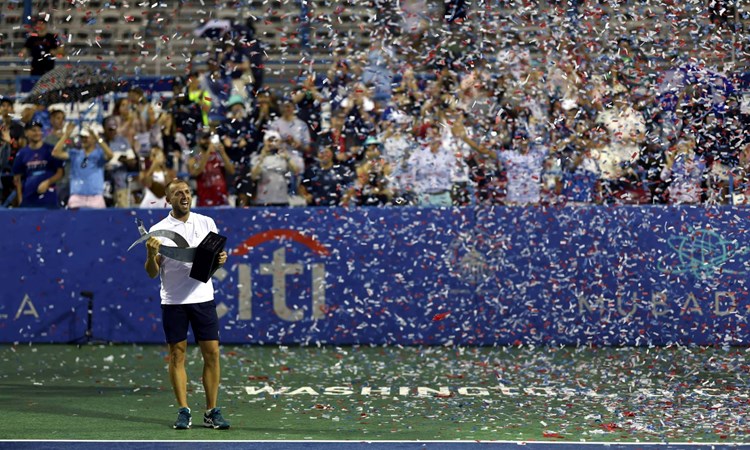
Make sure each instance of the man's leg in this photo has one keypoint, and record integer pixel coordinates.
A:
(211, 371)
(177, 374)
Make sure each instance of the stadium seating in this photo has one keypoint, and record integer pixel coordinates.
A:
(157, 38)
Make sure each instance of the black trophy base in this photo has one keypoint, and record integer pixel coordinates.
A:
(206, 260)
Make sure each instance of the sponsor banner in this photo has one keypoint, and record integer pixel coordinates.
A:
(572, 275)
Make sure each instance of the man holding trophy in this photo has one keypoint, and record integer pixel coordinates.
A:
(187, 296)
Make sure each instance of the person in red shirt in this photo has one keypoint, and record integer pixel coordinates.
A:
(210, 166)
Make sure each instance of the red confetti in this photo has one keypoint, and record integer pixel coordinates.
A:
(440, 316)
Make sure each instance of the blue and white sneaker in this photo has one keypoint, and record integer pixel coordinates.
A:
(214, 419)
(184, 419)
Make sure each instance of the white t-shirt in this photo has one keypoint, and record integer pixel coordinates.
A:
(524, 173)
(177, 288)
(432, 172)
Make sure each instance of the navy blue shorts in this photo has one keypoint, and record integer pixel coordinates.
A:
(201, 317)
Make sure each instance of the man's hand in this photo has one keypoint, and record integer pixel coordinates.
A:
(152, 246)
(222, 258)
(43, 187)
(5, 134)
(152, 261)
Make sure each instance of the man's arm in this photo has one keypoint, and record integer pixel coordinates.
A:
(19, 188)
(228, 164)
(108, 153)
(152, 257)
(59, 151)
(46, 184)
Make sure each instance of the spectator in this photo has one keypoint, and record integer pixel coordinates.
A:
(12, 139)
(86, 167)
(189, 111)
(294, 133)
(130, 125)
(684, 172)
(340, 143)
(237, 134)
(195, 94)
(377, 75)
(627, 132)
(523, 164)
(266, 111)
(123, 162)
(400, 107)
(211, 166)
(340, 75)
(57, 130)
(35, 171)
(398, 146)
(142, 107)
(432, 168)
(236, 66)
(42, 46)
(324, 182)
(57, 126)
(580, 170)
(359, 111)
(252, 47)
(309, 103)
(175, 144)
(484, 171)
(218, 85)
(154, 178)
(40, 114)
(147, 129)
(272, 170)
(713, 142)
(371, 186)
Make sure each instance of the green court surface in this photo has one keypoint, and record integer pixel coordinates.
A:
(121, 392)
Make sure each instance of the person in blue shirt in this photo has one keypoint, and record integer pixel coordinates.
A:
(324, 183)
(35, 171)
(86, 167)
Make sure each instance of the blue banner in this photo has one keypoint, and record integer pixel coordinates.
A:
(503, 275)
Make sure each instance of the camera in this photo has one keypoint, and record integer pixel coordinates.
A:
(215, 139)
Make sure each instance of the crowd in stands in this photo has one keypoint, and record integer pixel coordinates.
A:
(574, 122)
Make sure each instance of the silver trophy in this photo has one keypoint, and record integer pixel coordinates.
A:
(204, 257)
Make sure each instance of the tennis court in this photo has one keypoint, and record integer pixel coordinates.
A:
(298, 395)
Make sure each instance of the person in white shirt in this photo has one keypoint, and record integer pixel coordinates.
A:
(294, 132)
(524, 163)
(273, 169)
(187, 302)
(398, 145)
(432, 168)
(627, 134)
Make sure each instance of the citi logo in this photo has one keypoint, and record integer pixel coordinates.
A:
(279, 269)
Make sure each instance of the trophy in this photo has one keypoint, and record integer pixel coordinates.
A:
(205, 257)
